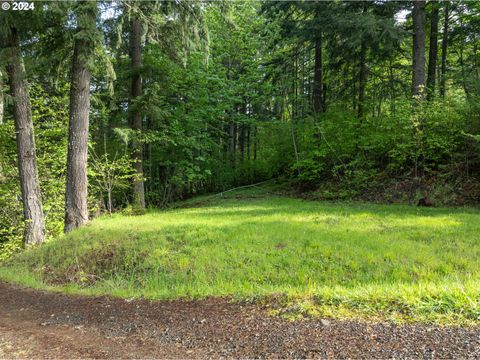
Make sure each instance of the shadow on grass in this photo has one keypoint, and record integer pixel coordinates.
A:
(352, 254)
(251, 207)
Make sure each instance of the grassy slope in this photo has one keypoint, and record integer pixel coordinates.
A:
(397, 262)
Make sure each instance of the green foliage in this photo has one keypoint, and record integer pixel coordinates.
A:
(190, 107)
(406, 144)
(227, 101)
(13, 242)
(50, 119)
(109, 175)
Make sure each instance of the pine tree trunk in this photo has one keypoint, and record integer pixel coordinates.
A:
(462, 70)
(362, 74)
(27, 158)
(362, 81)
(1, 122)
(354, 88)
(444, 49)
(241, 142)
(392, 87)
(2, 102)
(233, 143)
(248, 142)
(255, 142)
(136, 115)
(419, 48)
(76, 209)
(433, 52)
(318, 77)
(225, 140)
(325, 92)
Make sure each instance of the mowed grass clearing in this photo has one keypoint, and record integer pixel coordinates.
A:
(303, 258)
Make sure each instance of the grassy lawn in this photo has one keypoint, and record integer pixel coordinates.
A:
(376, 261)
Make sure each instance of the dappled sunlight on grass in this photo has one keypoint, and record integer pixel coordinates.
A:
(353, 254)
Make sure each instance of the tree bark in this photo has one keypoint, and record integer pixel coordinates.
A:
(1, 121)
(2, 102)
(136, 115)
(241, 142)
(325, 92)
(362, 81)
(354, 88)
(225, 141)
(392, 87)
(462, 70)
(26, 153)
(419, 49)
(433, 52)
(362, 74)
(444, 49)
(248, 142)
(76, 208)
(318, 77)
(233, 143)
(3, 84)
(255, 142)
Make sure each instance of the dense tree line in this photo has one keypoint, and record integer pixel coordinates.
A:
(123, 105)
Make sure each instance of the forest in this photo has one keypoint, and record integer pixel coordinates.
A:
(323, 154)
(130, 105)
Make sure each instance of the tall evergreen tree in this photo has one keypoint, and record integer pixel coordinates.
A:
(362, 71)
(418, 64)
(2, 111)
(76, 209)
(184, 24)
(443, 70)
(433, 50)
(26, 150)
(2, 99)
(135, 113)
(318, 105)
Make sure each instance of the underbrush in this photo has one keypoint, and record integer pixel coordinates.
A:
(302, 258)
(406, 190)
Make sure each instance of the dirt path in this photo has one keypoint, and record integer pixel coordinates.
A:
(45, 325)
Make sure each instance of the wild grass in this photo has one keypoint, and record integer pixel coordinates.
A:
(303, 258)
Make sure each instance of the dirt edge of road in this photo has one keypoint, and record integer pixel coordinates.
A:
(40, 324)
